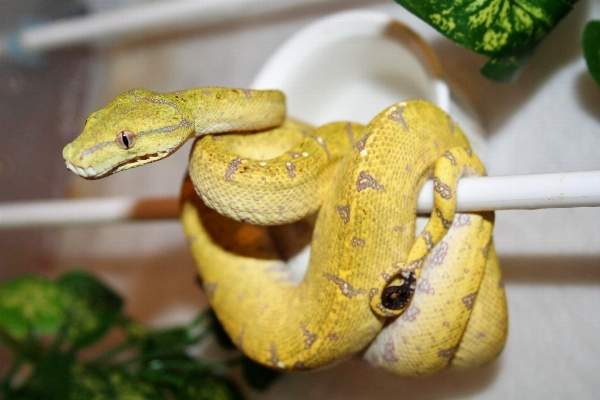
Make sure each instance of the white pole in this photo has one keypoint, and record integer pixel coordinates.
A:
(166, 16)
(558, 190)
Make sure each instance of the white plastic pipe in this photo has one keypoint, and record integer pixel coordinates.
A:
(558, 190)
(166, 16)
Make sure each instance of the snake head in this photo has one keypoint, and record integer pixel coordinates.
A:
(136, 128)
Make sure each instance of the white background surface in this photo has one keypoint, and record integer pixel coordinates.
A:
(548, 121)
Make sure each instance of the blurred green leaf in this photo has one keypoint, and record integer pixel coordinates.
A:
(507, 31)
(125, 387)
(93, 384)
(256, 375)
(208, 387)
(93, 308)
(51, 378)
(591, 49)
(31, 302)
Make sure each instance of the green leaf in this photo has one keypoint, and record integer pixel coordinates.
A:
(208, 387)
(505, 30)
(92, 307)
(256, 375)
(31, 302)
(591, 49)
(127, 388)
(92, 384)
(51, 379)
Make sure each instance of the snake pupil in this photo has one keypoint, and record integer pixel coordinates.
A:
(397, 297)
(125, 140)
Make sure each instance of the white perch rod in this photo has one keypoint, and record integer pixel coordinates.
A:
(166, 16)
(557, 190)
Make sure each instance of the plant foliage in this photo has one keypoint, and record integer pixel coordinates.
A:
(46, 323)
(591, 49)
(507, 31)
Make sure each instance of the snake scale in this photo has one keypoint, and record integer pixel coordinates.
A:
(409, 304)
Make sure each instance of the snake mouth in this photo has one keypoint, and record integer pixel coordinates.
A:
(89, 172)
(92, 173)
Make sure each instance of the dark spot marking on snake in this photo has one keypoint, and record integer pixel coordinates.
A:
(232, 168)
(450, 157)
(347, 290)
(445, 222)
(396, 115)
(366, 181)
(397, 297)
(357, 242)
(344, 212)
(426, 235)
(372, 293)
(274, 359)
(323, 145)
(360, 144)
(469, 300)
(309, 338)
(291, 169)
(444, 190)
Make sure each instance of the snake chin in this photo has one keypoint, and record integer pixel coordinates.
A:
(88, 173)
(136, 161)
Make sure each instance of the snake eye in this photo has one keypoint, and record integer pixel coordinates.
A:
(125, 140)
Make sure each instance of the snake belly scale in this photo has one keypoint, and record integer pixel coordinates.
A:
(413, 306)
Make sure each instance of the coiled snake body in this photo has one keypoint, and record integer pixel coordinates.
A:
(412, 306)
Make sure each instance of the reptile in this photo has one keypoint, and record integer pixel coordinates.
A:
(409, 303)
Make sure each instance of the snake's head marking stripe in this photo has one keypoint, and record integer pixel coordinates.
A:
(136, 128)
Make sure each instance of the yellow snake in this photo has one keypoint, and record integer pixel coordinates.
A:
(410, 306)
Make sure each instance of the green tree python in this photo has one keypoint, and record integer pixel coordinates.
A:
(409, 304)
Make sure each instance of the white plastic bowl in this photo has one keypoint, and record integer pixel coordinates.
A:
(354, 64)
